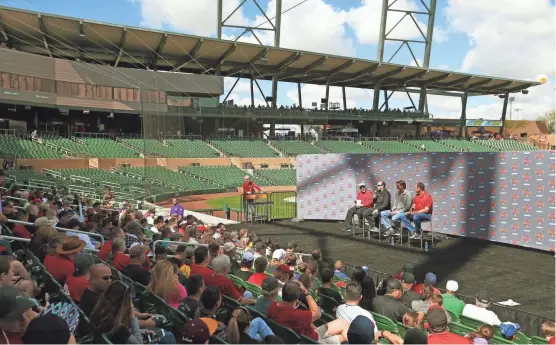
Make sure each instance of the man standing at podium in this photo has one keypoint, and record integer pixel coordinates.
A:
(249, 188)
(363, 202)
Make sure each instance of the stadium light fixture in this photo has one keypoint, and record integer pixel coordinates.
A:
(81, 33)
(525, 91)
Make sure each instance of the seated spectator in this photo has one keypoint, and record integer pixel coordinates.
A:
(480, 312)
(13, 273)
(423, 304)
(113, 316)
(243, 329)
(20, 230)
(211, 299)
(198, 331)
(291, 247)
(60, 265)
(135, 269)
(259, 276)
(368, 290)
(339, 270)
(229, 249)
(415, 336)
(509, 330)
(191, 305)
(164, 283)
(44, 236)
(106, 249)
(201, 263)
(300, 321)
(450, 302)
(117, 258)
(48, 329)
(179, 256)
(214, 251)
(79, 280)
(408, 295)
(438, 329)
(326, 290)
(316, 255)
(411, 320)
(391, 305)
(246, 264)
(227, 287)
(160, 253)
(100, 278)
(548, 331)
(430, 278)
(269, 291)
(15, 314)
(133, 236)
(350, 310)
(75, 224)
(260, 250)
(283, 274)
(483, 335)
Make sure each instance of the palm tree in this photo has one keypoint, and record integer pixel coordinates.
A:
(550, 120)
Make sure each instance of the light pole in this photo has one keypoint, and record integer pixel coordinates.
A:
(517, 110)
(511, 100)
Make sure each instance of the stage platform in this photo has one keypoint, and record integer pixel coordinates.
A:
(524, 275)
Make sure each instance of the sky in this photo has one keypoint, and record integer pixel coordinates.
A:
(501, 38)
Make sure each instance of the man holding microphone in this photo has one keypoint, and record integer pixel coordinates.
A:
(363, 202)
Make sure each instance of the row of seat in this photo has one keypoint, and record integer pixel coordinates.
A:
(278, 177)
(244, 148)
(226, 176)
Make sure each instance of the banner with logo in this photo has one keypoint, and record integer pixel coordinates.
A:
(506, 197)
(484, 123)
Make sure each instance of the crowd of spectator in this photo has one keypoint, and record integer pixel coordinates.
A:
(196, 272)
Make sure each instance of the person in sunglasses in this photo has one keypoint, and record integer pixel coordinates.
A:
(99, 280)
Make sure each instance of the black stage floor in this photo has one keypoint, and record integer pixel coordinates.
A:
(524, 275)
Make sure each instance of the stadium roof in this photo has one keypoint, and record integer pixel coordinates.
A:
(117, 45)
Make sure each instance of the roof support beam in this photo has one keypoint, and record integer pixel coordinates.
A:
(158, 50)
(288, 61)
(122, 43)
(456, 82)
(359, 74)
(251, 62)
(307, 68)
(402, 81)
(479, 83)
(436, 79)
(498, 86)
(517, 89)
(224, 56)
(388, 74)
(328, 75)
(191, 55)
(7, 38)
(44, 33)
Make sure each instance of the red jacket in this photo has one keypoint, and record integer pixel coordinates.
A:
(247, 187)
(366, 198)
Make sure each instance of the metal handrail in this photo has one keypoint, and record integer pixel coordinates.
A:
(91, 234)
(85, 207)
(26, 240)
(179, 242)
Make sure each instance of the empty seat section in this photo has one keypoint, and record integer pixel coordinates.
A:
(229, 176)
(508, 145)
(431, 145)
(295, 147)
(343, 147)
(149, 146)
(67, 144)
(190, 149)
(108, 148)
(173, 178)
(25, 148)
(278, 177)
(468, 146)
(391, 146)
(244, 148)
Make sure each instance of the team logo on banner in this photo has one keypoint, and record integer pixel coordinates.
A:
(503, 171)
(515, 212)
(515, 181)
(504, 230)
(526, 161)
(527, 177)
(527, 238)
(503, 185)
(540, 188)
(526, 192)
(540, 220)
(515, 196)
(540, 204)
(527, 208)
(515, 226)
(540, 156)
(515, 166)
(540, 172)
(527, 223)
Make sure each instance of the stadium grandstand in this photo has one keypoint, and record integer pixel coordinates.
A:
(146, 206)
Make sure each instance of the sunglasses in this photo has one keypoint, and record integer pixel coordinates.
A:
(106, 278)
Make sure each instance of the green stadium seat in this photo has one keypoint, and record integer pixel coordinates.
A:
(385, 324)
(468, 145)
(390, 146)
(11, 145)
(335, 146)
(190, 149)
(508, 145)
(430, 146)
(278, 177)
(226, 176)
(538, 340)
(295, 147)
(244, 148)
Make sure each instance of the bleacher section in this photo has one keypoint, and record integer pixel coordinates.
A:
(244, 148)
(108, 148)
(190, 149)
(295, 147)
(391, 146)
(151, 147)
(67, 144)
(468, 146)
(22, 148)
(228, 176)
(343, 147)
(508, 145)
(278, 177)
(172, 178)
(430, 145)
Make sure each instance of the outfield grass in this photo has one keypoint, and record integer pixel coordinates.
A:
(279, 210)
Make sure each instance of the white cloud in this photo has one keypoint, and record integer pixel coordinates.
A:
(314, 93)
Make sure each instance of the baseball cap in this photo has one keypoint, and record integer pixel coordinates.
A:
(361, 331)
(198, 331)
(269, 285)
(284, 268)
(82, 263)
(436, 317)
(452, 285)
(430, 278)
(408, 267)
(509, 329)
(278, 254)
(47, 329)
(362, 184)
(14, 304)
(483, 297)
(228, 246)
(408, 278)
(415, 336)
(394, 284)
(248, 256)
(365, 268)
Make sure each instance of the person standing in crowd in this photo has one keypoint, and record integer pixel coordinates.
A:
(381, 203)
(334, 298)
(421, 210)
(60, 265)
(249, 188)
(176, 209)
(363, 202)
(408, 295)
(402, 204)
(368, 290)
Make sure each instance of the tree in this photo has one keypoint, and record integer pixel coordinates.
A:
(550, 120)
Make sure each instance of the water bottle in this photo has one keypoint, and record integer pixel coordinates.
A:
(426, 246)
(391, 240)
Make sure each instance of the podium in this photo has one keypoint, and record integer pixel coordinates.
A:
(256, 207)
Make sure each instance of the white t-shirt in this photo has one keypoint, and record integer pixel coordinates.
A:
(481, 314)
(349, 312)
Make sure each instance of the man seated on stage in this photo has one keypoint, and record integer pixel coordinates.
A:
(421, 210)
(364, 201)
(401, 205)
(381, 203)
(249, 187)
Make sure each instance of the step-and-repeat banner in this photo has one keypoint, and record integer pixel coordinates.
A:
(505, 197)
